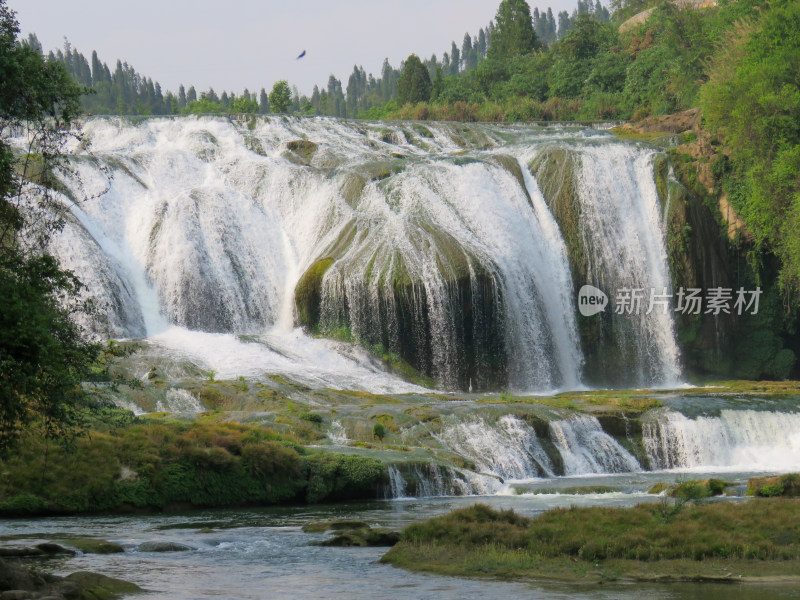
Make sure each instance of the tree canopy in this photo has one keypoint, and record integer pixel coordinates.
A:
(280, 98)
(513, 34)
(42, 356)
(414, 84)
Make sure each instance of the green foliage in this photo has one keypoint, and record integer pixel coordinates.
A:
(770, 491)
(342, 477)
(379, 431)
(243, 104)
(414, 84)
(42, 356)
(312, 418)
(203, 106)
(513, 33)
(280, 98)
(752, 99)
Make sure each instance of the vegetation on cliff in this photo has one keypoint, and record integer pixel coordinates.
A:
(128, 464)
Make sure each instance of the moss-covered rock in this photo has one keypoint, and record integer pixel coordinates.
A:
(93, 586)
(94, 546)
(308, 293)
(362, 538)
(334, 525)
(304, 149)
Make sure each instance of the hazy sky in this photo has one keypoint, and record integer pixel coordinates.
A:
(247, 43)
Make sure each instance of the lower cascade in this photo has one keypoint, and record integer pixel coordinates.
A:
(452, 252)
(516, 449)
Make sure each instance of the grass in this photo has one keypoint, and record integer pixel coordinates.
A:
(154, 463)
(722, 540)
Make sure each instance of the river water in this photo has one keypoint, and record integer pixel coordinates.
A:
(263, 553)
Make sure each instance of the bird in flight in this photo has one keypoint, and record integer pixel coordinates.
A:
(302, 54)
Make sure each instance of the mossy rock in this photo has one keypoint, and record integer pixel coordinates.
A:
(93, 586)
(659, 488)
(510, 164)
(303, 148)
(94, 546)
(555, 170)
(162, 547)
(363, 538)
(308, 293)
(778, 485)
(351, 189)
(697, 489)
(335, 525)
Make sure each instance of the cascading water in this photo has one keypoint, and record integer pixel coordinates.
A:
(508, 449)
(740, 439)
(431, 242)
(625, 250)
(586, 448)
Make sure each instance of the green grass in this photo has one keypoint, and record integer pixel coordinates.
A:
(153, 463)
(754, 539)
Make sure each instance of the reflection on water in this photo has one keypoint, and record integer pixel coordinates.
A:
(259, 553)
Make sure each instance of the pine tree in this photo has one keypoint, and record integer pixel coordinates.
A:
(191, 95)
(513, 35)
(181, 97)
(263, 101)
(455, 59)
(469, 57)
(564, 24)
(414, 84)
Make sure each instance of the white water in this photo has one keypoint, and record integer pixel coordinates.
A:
(737, 439)
(199, 228)
(586, 448)
(625, 249)
(508, 451)
(179, 401)
(508, 448)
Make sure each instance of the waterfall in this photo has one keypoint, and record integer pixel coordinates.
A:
(179, 401)
(625, 250)
(586, 448)
(397, 483)
(432, 244)
(509, 449)
(741, 439)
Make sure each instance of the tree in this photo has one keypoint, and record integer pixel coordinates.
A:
(513, 34)
(414, 84)
(280, 98)
(42, 356)
(244, 104)
(263, 102)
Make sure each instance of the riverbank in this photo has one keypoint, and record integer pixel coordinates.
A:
(756, 541)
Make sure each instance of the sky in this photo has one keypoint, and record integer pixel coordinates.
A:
(253, 43)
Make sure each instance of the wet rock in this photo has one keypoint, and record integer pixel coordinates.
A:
(363, 537)
(52, 549)
(162, 547)
(93, 586)
(335, 525)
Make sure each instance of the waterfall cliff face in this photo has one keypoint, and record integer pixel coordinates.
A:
(433, 243)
